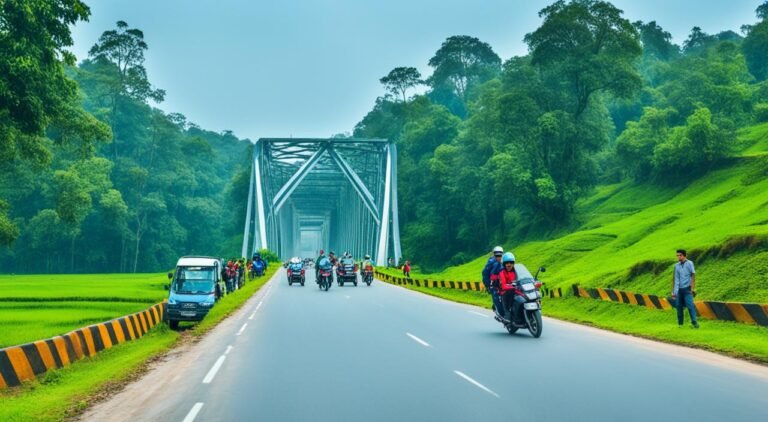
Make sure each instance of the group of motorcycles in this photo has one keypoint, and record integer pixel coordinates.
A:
(346, 270)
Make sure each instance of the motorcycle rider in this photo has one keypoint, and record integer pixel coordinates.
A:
(259, 261)
(323, 263)
(317, 267)
(508, 287)
(491, 279)
(366, 265)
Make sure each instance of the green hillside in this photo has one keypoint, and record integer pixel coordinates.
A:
(628, 233)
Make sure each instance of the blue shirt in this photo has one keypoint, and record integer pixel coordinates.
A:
(684, 272)
(492, 267)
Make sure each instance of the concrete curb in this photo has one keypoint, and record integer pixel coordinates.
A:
(25, 362)
(748, 313)
(449, 284)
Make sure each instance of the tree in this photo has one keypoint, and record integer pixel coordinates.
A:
(591, 45)
(635, 145)
(755, 48)
(35, 93)
(119, 56)
(656, 41)
(400, 79)
(693, 148)
(461, 63)
(697, 40)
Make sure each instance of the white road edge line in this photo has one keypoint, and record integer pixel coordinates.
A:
(418, 340)
(229, 349)
(475, 383)
(193, 412)
(212, 373)
(242, 329)
(478, 313)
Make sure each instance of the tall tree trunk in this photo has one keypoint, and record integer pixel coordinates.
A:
(72, 256)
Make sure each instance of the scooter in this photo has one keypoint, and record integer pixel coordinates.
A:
(528, 316)
(367, 275)
(325, 279)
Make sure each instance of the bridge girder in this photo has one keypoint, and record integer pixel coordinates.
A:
(346, 188)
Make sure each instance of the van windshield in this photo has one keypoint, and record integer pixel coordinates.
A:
(194, 280)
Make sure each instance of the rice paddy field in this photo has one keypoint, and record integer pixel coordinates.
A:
(34, 307)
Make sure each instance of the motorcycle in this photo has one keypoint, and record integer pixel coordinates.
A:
(295, 273)
(325, 279)
(346, 272)
(527, 288)
(368, 275)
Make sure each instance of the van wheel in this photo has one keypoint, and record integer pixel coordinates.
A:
(174, 324)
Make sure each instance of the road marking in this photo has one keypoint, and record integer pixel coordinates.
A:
(418, 340)
(242, 329)
(229, 349)
(252, 315)
(212, 373)
(475, 383)
(478, 313)
(193, 412)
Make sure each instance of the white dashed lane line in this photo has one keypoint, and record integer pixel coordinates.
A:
(212, 373)
(242, 329)
(475, 383)
(193, 412)
(418, 340)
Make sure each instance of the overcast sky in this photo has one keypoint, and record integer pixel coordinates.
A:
(310, 68)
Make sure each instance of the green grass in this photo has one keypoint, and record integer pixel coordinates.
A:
(147, 288)
(23, 322)
(35, 307)
(734, 339)
(60, 394)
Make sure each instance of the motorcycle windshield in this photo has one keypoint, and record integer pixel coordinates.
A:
(523, 275)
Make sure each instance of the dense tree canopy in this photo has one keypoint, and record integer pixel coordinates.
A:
(501, 156)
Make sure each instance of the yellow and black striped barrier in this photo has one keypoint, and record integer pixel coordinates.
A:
(749, 313)
(25, 362)
(450, 284)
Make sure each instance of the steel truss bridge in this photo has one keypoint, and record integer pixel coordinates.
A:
(337, 194)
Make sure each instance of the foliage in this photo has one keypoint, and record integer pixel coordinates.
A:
(158, 191)
(400, 79)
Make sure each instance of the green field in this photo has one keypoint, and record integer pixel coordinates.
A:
(63, 393)
(34, 307)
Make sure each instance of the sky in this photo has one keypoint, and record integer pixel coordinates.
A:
(311, 68)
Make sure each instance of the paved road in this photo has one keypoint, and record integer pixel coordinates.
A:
(383, 353)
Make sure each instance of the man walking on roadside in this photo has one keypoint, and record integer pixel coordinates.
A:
(684, 287)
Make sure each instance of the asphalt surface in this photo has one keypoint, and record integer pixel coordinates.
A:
(383, 353)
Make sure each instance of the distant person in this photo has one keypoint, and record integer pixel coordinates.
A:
(684, 287)
(407, 269)
(317, 268)
(490, 276)
(390, 262)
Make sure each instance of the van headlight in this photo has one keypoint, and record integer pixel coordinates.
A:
(172, 301)
(206, 304)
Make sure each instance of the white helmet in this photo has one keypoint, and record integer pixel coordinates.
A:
(498, 251)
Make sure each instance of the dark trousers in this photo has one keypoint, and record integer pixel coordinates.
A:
(685, 300)
(512, 304)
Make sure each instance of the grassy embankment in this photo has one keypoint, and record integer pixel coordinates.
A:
(62, 393)
(626, 239)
